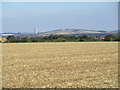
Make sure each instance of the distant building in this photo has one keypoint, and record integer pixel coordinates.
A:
(5, 35)
(99, 38)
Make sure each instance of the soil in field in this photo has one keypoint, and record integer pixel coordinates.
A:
(61, 65)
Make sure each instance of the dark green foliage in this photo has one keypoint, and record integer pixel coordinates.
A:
(59, 40)
(112, 38)
(63, 38)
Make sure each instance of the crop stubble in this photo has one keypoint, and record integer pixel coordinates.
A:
(61, 65)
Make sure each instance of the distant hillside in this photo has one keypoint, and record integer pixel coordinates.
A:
(77, 32)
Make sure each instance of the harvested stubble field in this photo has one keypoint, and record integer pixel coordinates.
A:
(61, 65)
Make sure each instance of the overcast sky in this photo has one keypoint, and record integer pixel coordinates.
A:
(46, 16)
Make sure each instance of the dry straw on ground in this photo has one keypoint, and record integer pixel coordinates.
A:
(61, 65)
(0, 65)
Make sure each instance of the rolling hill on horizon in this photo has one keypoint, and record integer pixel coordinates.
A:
(75, 32)
(78, 32)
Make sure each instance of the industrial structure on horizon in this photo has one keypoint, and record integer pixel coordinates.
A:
(35, 30)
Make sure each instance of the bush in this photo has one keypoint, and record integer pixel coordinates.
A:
(60, 40)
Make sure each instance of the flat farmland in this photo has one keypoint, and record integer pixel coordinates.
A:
(60, 65)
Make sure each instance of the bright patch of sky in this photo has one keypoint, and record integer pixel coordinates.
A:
(46, 16)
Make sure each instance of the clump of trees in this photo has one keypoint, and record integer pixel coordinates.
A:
(112, 38)
(62, 38)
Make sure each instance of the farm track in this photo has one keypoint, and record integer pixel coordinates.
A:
(61, 65)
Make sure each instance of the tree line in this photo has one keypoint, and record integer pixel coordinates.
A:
(63, 38)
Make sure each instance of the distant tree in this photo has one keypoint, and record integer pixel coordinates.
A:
(60, 40)
(109, 38)
(25, 39)
(11, 38)
(118, 37)
(63, 38)
(82, 40)
(85, 37)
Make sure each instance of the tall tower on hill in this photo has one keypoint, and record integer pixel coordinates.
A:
(35, 30)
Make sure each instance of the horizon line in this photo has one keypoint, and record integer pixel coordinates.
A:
(55, 30)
